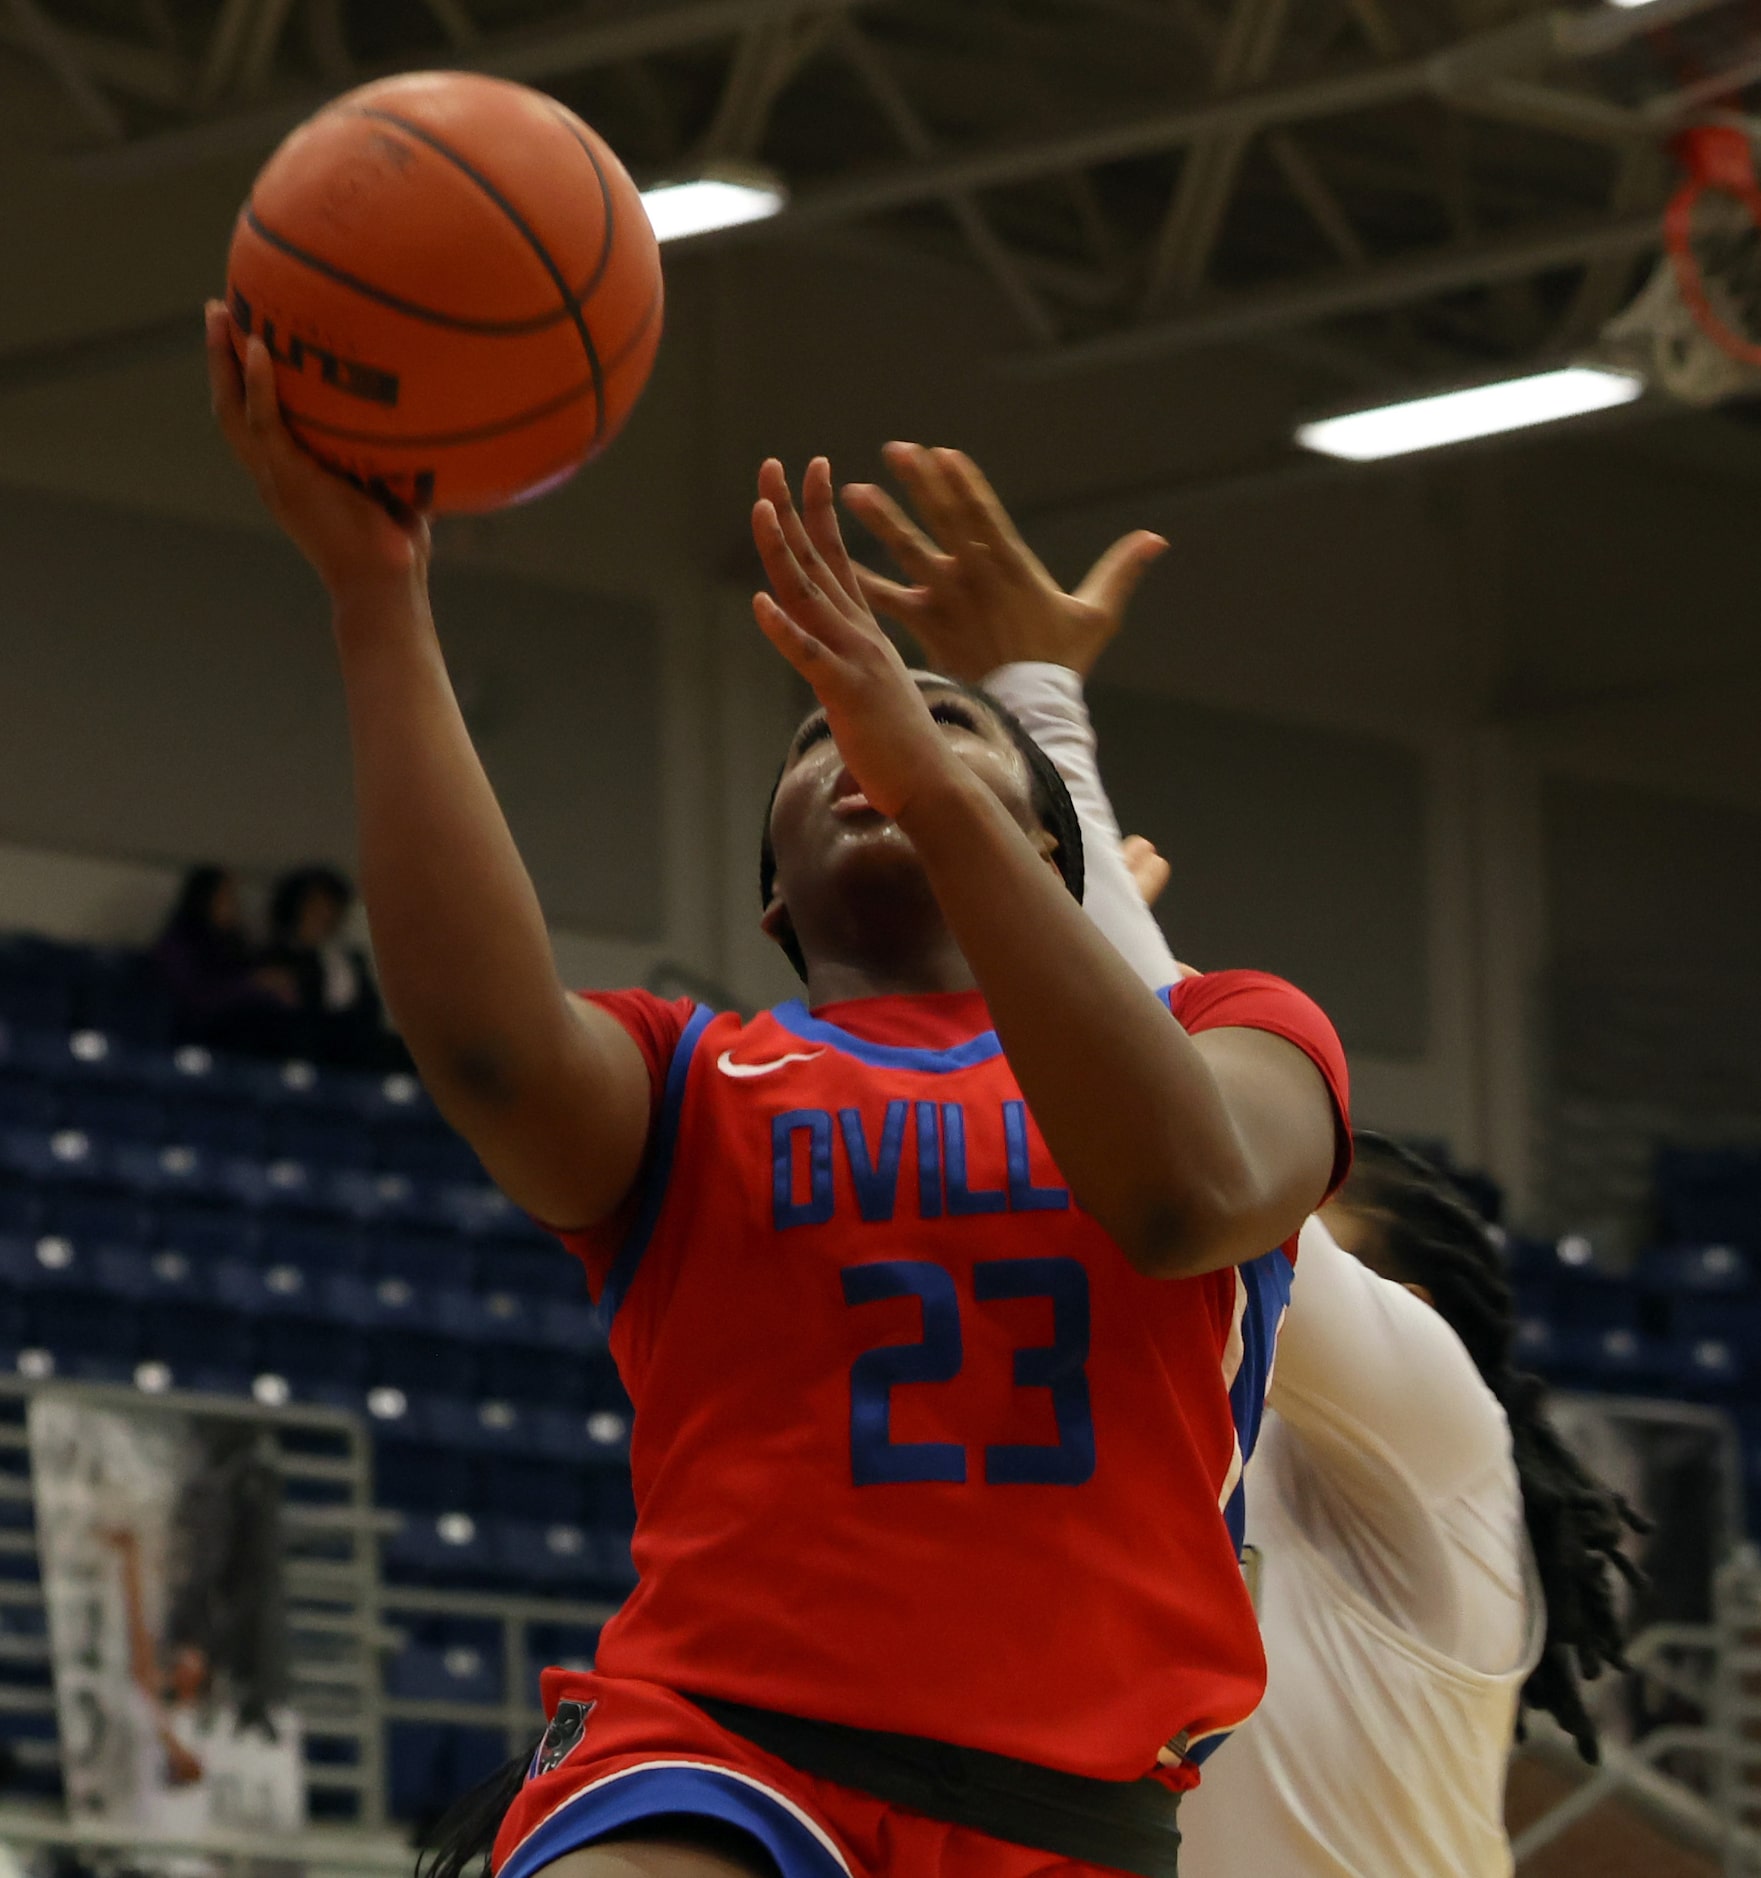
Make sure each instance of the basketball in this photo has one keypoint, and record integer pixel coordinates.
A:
(459, 286)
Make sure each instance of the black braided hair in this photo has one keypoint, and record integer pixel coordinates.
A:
(1429, 1236)
(459, 1843)
(1051, 801)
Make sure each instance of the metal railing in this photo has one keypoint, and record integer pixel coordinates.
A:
(330, 1532)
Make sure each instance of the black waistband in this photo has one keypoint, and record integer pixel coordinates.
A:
(1128, 1825)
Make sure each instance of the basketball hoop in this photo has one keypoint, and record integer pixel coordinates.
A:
(1695, 327)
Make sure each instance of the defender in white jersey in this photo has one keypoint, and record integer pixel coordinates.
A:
(1428, 1555)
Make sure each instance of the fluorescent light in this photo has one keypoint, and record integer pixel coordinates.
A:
(1481, 411)
(708, 202)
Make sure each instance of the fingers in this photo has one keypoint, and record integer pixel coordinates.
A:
(225, 387)
(809, 607)
(926, 482)
(979, 505)
(819, 507)
(895, 531)
(1114, 578)
(907, 605)
(773, 487)
(802, 650)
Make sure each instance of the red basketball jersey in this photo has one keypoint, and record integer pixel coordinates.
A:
(915, 1448)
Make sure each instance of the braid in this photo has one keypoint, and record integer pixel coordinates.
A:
(1575, 1524)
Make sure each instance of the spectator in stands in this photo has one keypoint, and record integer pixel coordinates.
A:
(333, 981)
(222, 992)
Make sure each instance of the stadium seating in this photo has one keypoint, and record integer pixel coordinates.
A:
(183, 1218)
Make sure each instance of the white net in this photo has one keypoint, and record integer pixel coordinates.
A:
(1657, 334)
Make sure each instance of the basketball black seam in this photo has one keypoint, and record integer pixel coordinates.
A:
(571, 305)
(490, 329)
(590, 286)
(443, 439)
(449, 439)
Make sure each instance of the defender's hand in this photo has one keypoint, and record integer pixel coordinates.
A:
(1149, 872)
(979, 596)
(820, 623)
(349, 538)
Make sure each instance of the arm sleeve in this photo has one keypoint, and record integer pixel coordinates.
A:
(1048, 701)
(1258, 1001)
(1378, 1387)
(655, 1026)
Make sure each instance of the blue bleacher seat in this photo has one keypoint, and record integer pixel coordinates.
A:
(432, 1259)
(123, 994)
(191, 1330)
(97, 1216)
(1711, 1369)
(21, 1207)
(457, 1672)
(597, 1438)
(427, 1149)
(492, 1316)
(1720, 1269)
(208, 1232)
(555, 1558)
(537, 1269)
(1711, 1195)
(221, 1127)
(320, 1140)
(1735, 1320)
(321, 1246)
(429, 1764)
(34, 1002)
(54, 1157)
(1615, 1359)
(112, 1111)
(544, 1378)
(422, 1363)
(27, 1102)
(449, 1547)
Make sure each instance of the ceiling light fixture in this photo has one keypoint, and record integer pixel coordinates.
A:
(1480, 411)
(722, 198)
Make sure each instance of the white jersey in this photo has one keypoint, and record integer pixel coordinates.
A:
(1395, 1588)
(1396, 1598)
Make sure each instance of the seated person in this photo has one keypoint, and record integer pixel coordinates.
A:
(332, 980)
(222, 994)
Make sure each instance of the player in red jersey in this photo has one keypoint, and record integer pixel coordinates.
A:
(945, 1298)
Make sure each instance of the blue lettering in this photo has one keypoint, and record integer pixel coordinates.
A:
(876, 1181)
(1024, 1196)
(816, 1209)
(963, 1199)
(929, 1162)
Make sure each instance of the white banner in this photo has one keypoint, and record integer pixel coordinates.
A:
(158, 1533)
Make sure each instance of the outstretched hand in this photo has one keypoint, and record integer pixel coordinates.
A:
(347, 536)
(979, 597)
(817, 619)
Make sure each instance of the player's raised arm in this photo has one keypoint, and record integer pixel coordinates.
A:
(1193, 1152)
(987, 611)
(552, 1094)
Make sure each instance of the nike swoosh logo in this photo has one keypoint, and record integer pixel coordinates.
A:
(728, 1067)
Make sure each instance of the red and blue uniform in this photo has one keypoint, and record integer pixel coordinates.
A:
(915, 1448)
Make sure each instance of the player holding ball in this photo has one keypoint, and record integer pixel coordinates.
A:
(945, 1296)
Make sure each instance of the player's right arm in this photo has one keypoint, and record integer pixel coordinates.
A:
(552, 1093)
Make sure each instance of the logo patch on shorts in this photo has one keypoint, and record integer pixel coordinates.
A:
(567, 1730)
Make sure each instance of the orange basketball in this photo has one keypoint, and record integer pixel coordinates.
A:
(459, 286)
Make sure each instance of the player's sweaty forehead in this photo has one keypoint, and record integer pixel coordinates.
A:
(950, 702)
